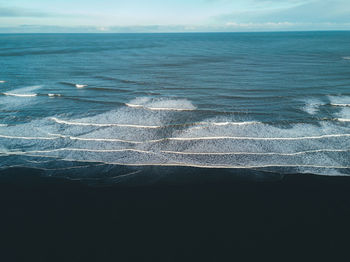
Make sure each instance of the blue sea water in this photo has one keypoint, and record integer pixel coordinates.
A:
(114, 105)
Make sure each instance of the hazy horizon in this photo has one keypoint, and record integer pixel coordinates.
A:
(156, 16)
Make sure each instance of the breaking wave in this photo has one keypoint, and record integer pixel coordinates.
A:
(139, 137)
(80, 86)
(73, 84)
(23, 92)
(19, 95)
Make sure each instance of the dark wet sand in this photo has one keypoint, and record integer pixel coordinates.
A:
(300, 217)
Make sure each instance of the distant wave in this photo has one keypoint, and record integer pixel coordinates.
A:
(54, 95)
(103, 89)
(159, 108)
(73, 84)
(161, 104)
(346, 57)
(2, 81)
(28, 91)
(19, 95)
(80, 86)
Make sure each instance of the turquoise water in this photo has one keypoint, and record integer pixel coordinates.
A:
(114, 105)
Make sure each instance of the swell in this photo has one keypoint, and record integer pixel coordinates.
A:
(120, 80)
(84, 100)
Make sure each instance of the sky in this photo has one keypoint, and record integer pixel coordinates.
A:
(129, 16)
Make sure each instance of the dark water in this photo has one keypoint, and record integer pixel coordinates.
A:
(192, 116)
(113, 105)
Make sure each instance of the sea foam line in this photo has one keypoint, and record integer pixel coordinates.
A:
(256, 153)
(57, 136)
(248, 138)
(28, 138)
(343, 105)
(202, 138)
(83, 150)
(60, 121)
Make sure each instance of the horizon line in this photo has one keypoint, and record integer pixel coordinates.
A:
(185, 32)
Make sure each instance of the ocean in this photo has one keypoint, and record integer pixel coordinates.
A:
(215, 143)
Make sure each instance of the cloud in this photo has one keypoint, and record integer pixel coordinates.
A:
(260, 25)
(321, 11)
(21, 12)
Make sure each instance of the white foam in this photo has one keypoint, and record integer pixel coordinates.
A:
(339, 100)
(2, 81)
(80, 86)
(53, 95)
(346, 57)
